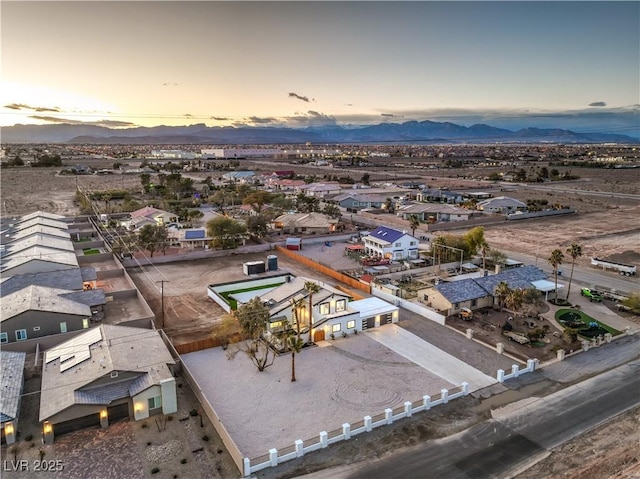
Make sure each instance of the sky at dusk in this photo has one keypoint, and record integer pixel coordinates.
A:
(570, 65)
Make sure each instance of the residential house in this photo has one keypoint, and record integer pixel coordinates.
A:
(11, 381)
(75, 279)
(149, 216)
(309, 223)
(105, 374)
(502, 205)
(352, 201)
(434, 195)
(193, 238)
(38, 311)
(320, 190)
(332, 311)
(391, 244)
(239, 177)
(450, 297)
(434, 212)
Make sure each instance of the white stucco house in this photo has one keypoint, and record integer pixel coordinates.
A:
(391, 244)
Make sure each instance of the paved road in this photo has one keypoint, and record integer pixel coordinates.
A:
(515, 438)
(584, 276)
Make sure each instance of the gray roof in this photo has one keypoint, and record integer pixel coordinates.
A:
(36, 240)
(11, 374)
(502, 201)
(68, 279)
(459, 291)
(114, 349)
(516, 278)
(41, 298)
(91, 297)
(16, 234)
(39, 253)
(474, 288)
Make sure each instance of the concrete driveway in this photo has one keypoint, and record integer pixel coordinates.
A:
(430, 357)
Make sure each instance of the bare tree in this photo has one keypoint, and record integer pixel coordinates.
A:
(253, 318)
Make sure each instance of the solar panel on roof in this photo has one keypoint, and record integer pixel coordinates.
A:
(196, 234)
(75, 350)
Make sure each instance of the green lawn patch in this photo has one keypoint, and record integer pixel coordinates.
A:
(587, 326)
(234, 304)
(90, 251)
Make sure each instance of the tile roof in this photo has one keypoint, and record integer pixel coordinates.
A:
(61, 259)
(119, 349)
(11, 381)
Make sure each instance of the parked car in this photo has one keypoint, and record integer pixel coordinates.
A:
(592, 294)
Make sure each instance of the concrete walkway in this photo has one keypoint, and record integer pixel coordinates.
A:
(429, 357)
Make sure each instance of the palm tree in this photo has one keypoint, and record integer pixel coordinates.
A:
(555, 260)
(294, 343)
(501, 293)
(514, 300)
(575, 251)
(414, 223)
(312, 288)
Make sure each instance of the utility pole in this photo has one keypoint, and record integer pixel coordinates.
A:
(162, 281)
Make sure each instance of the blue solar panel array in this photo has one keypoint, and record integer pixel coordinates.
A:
(195, 234)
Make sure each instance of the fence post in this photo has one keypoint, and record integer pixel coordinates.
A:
(608, 337)
(585, 346)
(531, 365)
(273, 457)
(346, 430)
(367, 423)
(247, 467)
(560, 354)
(515, 370)
(388, 415)
(500, 375)
(299, 448)
(444, 395)
(408, 408)
(500, 348)
(323, 438)
(465, 388)
(469, 333)
(426, 400)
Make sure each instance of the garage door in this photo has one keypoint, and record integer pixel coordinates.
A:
(76, 424)
(120, 411)
(370, 323)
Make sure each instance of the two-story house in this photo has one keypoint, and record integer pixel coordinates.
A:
(391, 244)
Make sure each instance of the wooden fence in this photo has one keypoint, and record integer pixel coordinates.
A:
(352, 282)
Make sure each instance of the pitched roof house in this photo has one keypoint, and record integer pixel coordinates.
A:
(473, 293)
(501, 204)
(11, 382)
(391, 244)
(305, 223)
(105, 374)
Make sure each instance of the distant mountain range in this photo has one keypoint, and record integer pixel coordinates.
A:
(402, 133)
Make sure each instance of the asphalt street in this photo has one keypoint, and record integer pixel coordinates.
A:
(517, 436)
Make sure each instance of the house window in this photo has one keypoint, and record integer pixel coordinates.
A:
(473, 302)
(114, 374)
(351, 324)
(398, 245)
(21, 334)
(324, 308)
(276, 324)
(341, 305)
(456, 305)
(336, 328)
(413, 243)
(155, 403)
(4, 338)
(85, 323)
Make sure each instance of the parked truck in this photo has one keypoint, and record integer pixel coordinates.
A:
(623, 269)
(517, 337)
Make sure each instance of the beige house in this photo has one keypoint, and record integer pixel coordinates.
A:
(308, 223)
(149, 216)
